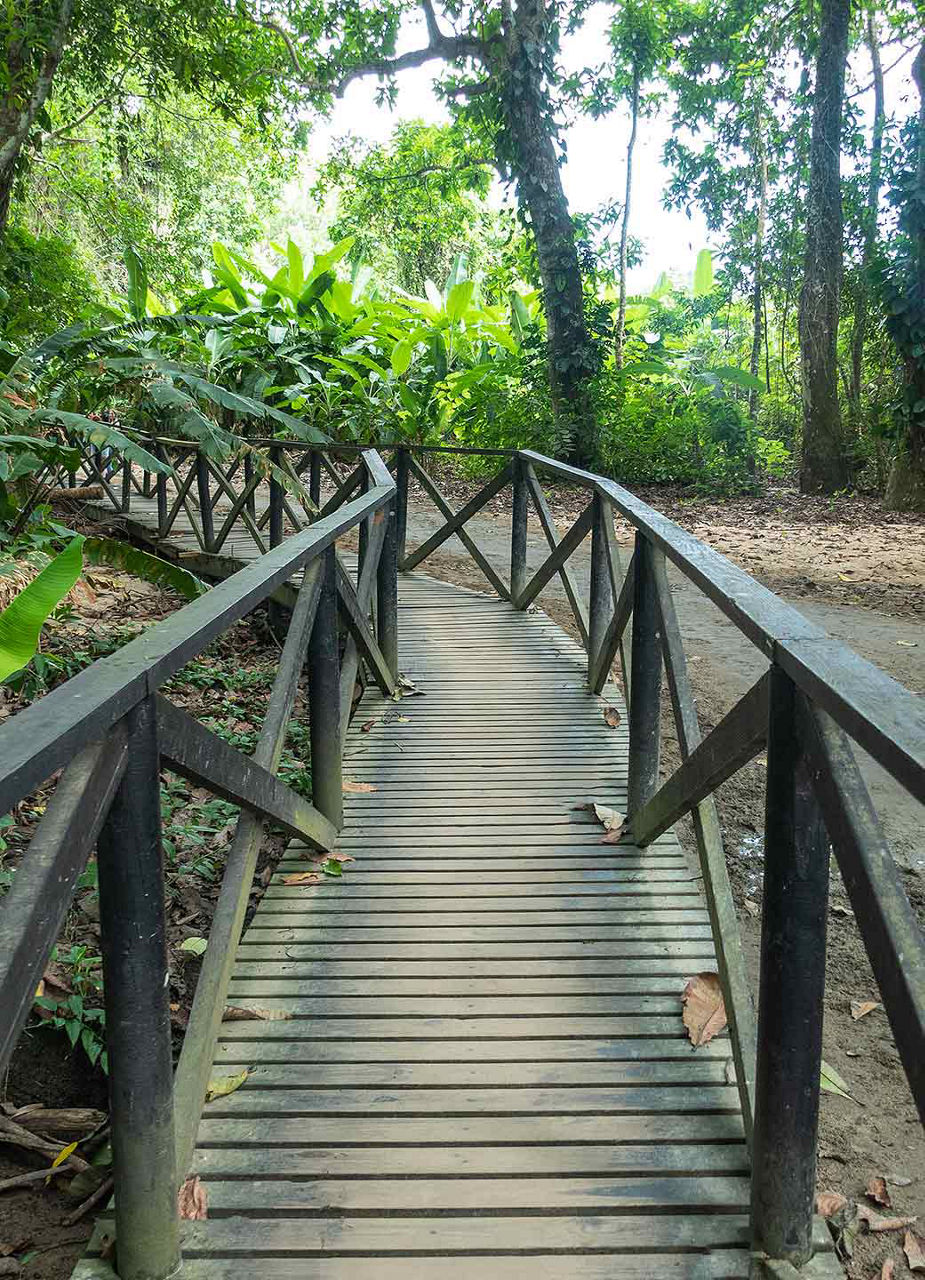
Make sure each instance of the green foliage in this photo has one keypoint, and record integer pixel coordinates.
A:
(45, 282)
(79, 1014)
(22, 620)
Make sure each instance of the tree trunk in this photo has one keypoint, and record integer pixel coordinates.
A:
(825, 466)
(862, 303)
(761, 155)
(27, 76)
(532, 155)
(625, 227)
(905, 489)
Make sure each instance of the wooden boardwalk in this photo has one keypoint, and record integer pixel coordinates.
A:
(484, 1071)
(481, 1070)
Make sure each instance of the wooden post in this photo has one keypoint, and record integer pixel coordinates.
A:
(126, 503)
(387, 592)
(276, 503)
(250, 502)
(519, 531)
(314, 477)
(161, 487)
(134, 946)
(791, 992)
(401, 503)
(601, 602)
(205, 501)
(646, 679)
(324, 699)
(363, 531)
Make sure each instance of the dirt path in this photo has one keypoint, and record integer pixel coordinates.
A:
(879, 1133)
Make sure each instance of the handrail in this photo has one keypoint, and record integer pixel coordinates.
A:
(109, 728)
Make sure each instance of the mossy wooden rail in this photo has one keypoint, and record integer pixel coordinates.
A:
(484, 1069)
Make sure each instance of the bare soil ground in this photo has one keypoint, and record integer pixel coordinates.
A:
(866, 568)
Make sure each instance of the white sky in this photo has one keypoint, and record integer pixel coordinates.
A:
(595, 169)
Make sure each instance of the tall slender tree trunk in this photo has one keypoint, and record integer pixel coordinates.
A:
(620, 341)
(27, 75)
(571, 352)
(862, 302)
(905, 489)
(825, 466)
(761, 155)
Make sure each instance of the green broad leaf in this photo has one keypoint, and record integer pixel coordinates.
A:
(150, 568)
(22, 620)
(648, 366)
(703, 274)
(458, 299)
(520, 316)
(832, 1082)
(194, 946)
(137, 282)
(434, 296)
(458, 273)
(401, 356)
(325, 261)
(296, 267)
(438, 355)
(740, 377)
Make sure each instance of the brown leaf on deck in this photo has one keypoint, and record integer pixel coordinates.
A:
(192, 1201)
(829, 1203)
(357, 788)
(861, 1008)
(612, 717)
(704, 1010)
(302, 877)
(234, 1013)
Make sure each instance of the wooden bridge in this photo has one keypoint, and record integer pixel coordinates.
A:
(480, 1068)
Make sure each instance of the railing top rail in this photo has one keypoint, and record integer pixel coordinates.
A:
(44, 736)
(884, 717)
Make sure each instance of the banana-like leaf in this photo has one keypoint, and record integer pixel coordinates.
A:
(401, 356)
(120, 555)
(22, 620)
(102, 435)
(458, 273)
(137, 283)
(703, 274)
(458, 299)
(741, 378)
(296, 267)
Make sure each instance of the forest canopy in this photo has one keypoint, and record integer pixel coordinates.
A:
(168, 190)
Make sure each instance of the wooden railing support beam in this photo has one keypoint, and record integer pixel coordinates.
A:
(387, 592)
(134, 946)
(644, 709)
(518, 529)
(791, 991)
(600, 599)
(324, 699)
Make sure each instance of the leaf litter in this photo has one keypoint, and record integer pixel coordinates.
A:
(704, 1009)
(192, 1201)
(221, 1086)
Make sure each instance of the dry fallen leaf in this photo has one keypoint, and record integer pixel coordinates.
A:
(704, 1010)
(914, 1249)
(609, 818)
(234, 1013)
(888, 1269)
(861, 1008)
(358, 788)
(192, 1202)
(302, 877)
(831, 1081)
(334, 857)
(751, 907)
(877, 1222)
(221, 1086)
(829, 1203)
(877, 1190)
(612, 717)
(365, 728)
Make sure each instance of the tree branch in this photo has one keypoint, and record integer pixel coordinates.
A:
(91, 110)
(52, 56)
(283, 34)
(477, 162)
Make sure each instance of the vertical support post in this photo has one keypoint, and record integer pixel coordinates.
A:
(402, 471)
(161, 485)
(324, 699)
(314, 477)
(134, 945)
(205, 501)
(363, 532)
(126, 504)
(791, 992)
(519, 530)
(387, 591)
(251, 502)
(276, 503)
(601, 602)
(646, 682)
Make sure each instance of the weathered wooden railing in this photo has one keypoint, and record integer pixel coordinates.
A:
(815, 696)
(109, 730)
